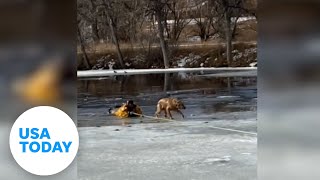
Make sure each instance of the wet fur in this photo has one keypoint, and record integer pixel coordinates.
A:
(169, 104)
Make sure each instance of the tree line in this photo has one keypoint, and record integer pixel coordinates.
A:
(147, 22)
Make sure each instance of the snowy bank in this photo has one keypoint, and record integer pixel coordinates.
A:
(101, 73)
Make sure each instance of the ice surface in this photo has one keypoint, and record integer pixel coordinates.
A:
(172, 150)
(190, 148)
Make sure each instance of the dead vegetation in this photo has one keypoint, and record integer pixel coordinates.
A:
(159, 34)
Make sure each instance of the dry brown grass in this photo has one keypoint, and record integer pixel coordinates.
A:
(246, 32)
(246, 37)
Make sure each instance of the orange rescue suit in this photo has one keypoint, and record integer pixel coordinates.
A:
(122, 112)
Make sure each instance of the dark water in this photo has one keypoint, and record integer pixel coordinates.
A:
(206, 97)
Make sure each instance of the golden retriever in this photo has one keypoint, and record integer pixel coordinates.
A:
(169, 104)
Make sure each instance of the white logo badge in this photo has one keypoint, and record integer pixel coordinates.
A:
(44, 140)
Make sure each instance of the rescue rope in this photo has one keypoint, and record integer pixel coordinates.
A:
(151, 117)
(214, 127)
(234, 130)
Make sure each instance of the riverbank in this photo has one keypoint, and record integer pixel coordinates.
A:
(187, 55)
(217, 71)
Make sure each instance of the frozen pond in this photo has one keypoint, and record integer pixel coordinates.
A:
(190, 148)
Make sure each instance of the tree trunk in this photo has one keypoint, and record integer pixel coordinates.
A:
(116, 42)
(234, 28)
(95, 32)
(166, 82)
(85, 59)
(94, 24)
(162, 41)
(113, 33)
(228, 38)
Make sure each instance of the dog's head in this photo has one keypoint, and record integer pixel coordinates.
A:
(179, 104)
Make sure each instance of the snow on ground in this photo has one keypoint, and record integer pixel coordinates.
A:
(101, 73)
(250, 73)
(171, 150)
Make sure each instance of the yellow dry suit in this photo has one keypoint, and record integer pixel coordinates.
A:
(123, 111)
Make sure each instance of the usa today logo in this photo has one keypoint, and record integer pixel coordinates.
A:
(44, 140)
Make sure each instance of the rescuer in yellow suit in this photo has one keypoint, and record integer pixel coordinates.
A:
(129, 109)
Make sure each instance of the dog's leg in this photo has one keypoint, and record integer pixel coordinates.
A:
(168, 111)
(165, 114)
(180, 113)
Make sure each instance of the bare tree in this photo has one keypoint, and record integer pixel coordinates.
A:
(145, 23)
(178, 13)
(94, 24)
(226, 10)
(108, 7)
(84, 59)
(201, 14)
(86, 10)
(80, 17)
(132, 18)
(157, 8)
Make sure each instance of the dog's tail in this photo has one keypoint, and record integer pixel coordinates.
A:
(158, 109)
